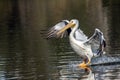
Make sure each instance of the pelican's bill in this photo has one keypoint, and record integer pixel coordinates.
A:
(71, 24)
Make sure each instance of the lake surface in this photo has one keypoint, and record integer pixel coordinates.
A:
(26, 55)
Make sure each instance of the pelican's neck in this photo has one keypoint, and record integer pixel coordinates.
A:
(73, 31)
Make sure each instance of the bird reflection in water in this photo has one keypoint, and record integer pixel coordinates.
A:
(90, 75)
(77, 73)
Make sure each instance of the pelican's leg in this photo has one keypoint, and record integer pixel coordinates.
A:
(88, 63)
(84, 64)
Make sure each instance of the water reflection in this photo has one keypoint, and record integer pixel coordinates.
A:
(24, 55)
(78, 74)
(109, 72)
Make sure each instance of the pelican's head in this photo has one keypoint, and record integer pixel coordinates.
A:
(73, 23)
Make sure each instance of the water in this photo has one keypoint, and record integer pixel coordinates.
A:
(26, 55)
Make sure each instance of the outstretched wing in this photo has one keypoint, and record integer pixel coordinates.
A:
(53, 31)
(79, 35)
(97, 42)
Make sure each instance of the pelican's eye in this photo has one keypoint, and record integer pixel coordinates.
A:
(71, 21)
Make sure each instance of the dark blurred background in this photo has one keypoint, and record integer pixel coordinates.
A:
(24, 54)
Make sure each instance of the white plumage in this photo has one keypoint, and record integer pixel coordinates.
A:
(86, 48)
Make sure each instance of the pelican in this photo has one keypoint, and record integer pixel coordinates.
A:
(85, 47)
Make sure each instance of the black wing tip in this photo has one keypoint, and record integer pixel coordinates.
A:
(104, 43)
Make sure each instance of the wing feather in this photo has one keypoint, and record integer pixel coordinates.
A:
(79, 35)
(53, 31)
(97, 42)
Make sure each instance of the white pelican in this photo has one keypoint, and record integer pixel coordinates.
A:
(81, 44)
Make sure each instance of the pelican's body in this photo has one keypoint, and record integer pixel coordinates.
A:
(86, 48)
(80, 48)
(78, 43)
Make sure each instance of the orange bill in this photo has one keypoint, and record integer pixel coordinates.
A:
(71, 24)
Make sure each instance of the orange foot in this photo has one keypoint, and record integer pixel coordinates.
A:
(83, 65)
